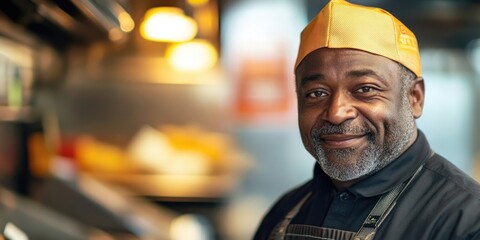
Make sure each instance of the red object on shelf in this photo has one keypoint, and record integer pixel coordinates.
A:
(67, 148)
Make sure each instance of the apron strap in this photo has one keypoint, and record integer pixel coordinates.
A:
(381, 210)
(279, 230)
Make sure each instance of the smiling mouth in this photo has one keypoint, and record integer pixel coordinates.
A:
(342, 140)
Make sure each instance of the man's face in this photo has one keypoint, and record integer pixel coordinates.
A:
(353, 117)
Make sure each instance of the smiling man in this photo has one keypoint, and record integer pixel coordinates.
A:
(359, 91)
(355, 116)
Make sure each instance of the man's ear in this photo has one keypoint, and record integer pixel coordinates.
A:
(416, 97)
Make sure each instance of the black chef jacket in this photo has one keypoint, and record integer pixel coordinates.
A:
(442, 202)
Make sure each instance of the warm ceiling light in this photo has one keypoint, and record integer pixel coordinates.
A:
(126, 22)
(197, 2)
(168, 24)
(196, 55)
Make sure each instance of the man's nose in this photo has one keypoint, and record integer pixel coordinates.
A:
(340, 109)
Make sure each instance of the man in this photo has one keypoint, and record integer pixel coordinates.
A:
(359, 91)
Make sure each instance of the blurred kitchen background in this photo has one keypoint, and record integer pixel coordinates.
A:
(176, 119)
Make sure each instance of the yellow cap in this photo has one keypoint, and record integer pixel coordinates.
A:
(341, 24)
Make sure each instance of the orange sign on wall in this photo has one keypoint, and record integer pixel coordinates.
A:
(264, 89)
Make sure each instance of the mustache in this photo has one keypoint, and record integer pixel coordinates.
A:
(343, 128)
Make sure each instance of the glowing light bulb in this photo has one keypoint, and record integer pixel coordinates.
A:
(168, 24)
(195, 55)
(126, 22)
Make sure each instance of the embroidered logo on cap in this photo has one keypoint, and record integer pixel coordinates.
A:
(407, 40)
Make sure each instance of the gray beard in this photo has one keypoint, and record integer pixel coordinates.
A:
(374, 157)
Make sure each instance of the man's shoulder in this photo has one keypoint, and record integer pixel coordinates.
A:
(451, 177)
(442, 202)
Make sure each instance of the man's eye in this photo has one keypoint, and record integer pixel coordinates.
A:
(365, 89)
(316, 94)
